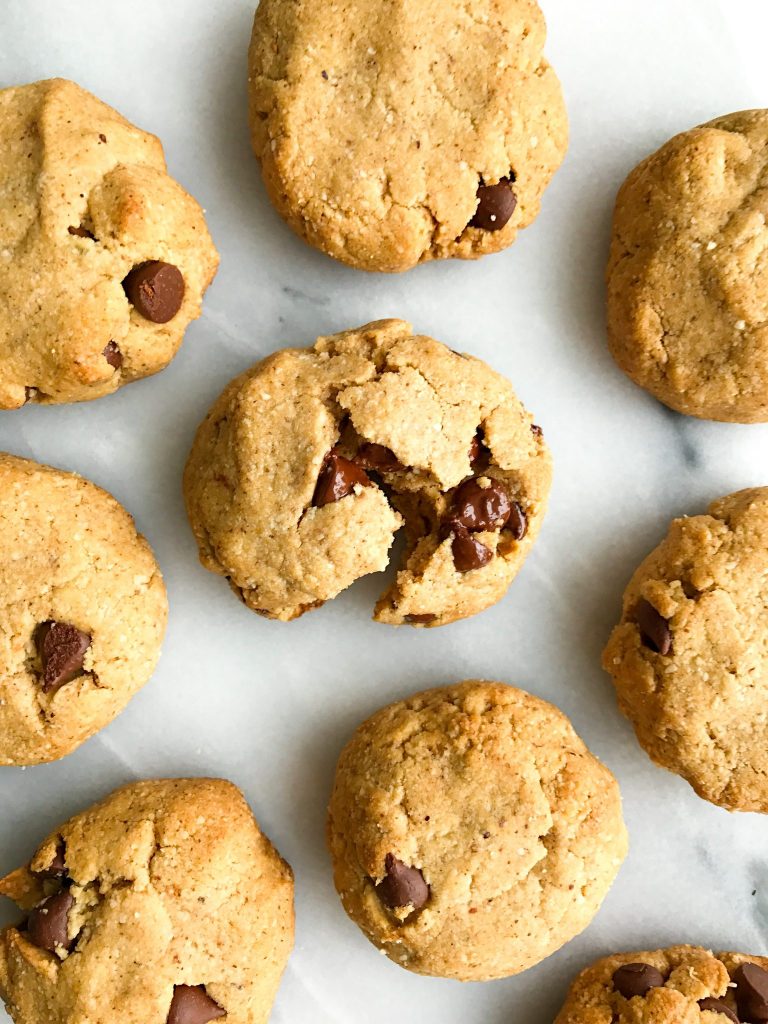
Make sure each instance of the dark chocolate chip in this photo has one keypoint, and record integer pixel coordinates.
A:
(338, 478)
(57, 868)
(752, 993)
(113, 355)
(155, 290)
(402, 886)
(536, 430)
(475, 449)
(496, 204)
(48, 923)
(718, 1006)
(468, 552)
(191, 1004)
(636, 979)
(377, 458)
(654, 628)
(61, 648)
(81, 232)
(324, 75)
(102, 137)
(480, 508)
(517, 523)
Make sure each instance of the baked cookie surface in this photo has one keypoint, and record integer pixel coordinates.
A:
(689, 658)
(394, 133)
(309, 463)
(680, 985)
(687, 282)
(471, 831)
(83, 613)
(103, 257)
(163, 904)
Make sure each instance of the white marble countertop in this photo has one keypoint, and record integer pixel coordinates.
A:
(269, 705)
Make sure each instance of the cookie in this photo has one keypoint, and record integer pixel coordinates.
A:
(689, 660)
(104, 258)
(471, 831)
(163, 904)
(390, 134)
(680, 985)
(309, 463)
(687, 285)
(83, 612)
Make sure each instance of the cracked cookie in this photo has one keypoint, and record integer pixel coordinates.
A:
(104, 258)
(680, 985)
(309, 463)
(163, 904)
(83, 614)
(689, 658)
(393, 134)
(687, 278)
(471, 831)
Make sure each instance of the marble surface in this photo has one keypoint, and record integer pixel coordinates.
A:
(269, 705)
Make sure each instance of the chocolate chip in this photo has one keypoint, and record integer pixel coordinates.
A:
(113, 355)
(536, 430)
(480, 508)
(517, 523)
(425, 618)
(654, 628)
(718, 1006)
(81, 232)
(338, 478)
(324, 75)
(468, 552)
(377, 458)
(191, 1004)
(752, 993)
(636, 979)
(48, 923)
(57, 868)
(496, 204)
(61, 648)
(475, 449)
(156, 290)
(102, 137)
(402, 886)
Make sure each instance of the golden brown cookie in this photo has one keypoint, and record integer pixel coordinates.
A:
(689, 659)
(163, 904)
(680, 985)
(392, 133)
(472, 833)
(309, 463)
(687, 280)
(83, 611)
(103, 257)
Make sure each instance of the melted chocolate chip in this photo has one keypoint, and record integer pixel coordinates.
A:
(48, 923)
(338, 478)
(191, 1004)
(113, 355)
(402, 886)
(495, 206)
(517, 523)
(636, 979)
(480, 508)
(468, 552)
(654, 628)
(718, 1006)
(752, 993)
(155, 290)
(377, 458)
(61, 648)
(81, 232)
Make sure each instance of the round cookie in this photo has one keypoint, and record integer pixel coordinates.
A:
(472, 833)
(680, 985)
(390, 134)
(103, 257)
(687, 285)
(83, 614)
(163, 904)
(309, 463)
(689, 660)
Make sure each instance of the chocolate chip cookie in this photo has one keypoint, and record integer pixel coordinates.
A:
(687, 282)
(104, 258)
(689, 658)
(681, 985)
(393, 134)
(163, 904)
(83, 611)
(472, 833)
(310, 462)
